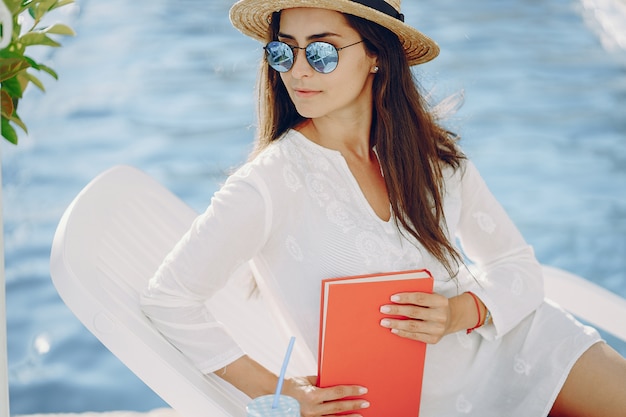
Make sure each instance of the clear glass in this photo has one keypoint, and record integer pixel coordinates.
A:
(262, 407)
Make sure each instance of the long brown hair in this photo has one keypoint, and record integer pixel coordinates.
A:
(412, 147)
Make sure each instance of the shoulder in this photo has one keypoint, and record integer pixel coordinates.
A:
(270, 159)
(470, 175)
(462, 182)
(466, 171)
(268, 172)
(453, 175)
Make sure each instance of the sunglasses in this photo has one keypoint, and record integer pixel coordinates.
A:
(322, 56)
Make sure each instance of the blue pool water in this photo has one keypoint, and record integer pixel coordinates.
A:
(167, 86)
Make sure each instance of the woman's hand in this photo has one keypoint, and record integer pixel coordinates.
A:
(428, 316)
(254, 380)
(316, 401)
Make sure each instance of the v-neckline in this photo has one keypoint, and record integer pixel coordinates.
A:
(335, 154)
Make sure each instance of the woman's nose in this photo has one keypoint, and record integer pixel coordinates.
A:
(301, 67)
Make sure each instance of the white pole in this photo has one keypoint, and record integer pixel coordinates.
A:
(6, 20)
(4, 363)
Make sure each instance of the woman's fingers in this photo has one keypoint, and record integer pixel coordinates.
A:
(335, 407)
(427, 332)
(423, 299)
(341, 391)
(316, 402)
(427, 316)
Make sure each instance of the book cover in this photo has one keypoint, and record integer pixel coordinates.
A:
(355, 349)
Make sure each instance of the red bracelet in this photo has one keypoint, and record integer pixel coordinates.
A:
(479, 322)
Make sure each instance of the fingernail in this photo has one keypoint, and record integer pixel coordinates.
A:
(385, 309)
(365, 404)
(395, 298)
(385, 323)
(362, 390)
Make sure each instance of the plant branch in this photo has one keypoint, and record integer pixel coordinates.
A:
(15, 64)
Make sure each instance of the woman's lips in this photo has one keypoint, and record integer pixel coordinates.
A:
(304, 93)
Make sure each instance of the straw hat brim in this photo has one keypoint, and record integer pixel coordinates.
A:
(252, 17)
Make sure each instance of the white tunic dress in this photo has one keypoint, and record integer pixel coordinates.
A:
(297, 214)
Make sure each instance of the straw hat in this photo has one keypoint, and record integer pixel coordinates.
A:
(252, 18)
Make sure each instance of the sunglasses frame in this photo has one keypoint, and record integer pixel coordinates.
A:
(294, 54)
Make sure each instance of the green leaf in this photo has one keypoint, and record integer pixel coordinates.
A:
(42, 67)
(60, 29)
(37, 38)
(49, 70)
(6, 53)
(16, 119)
(38, 10)
(62, 3)
(47, 4)
(32, 62)
(10, 67)
(13, 5)
(8, 132)
(34, 80)
(13, 87)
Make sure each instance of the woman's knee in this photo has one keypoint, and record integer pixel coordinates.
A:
(596, 385)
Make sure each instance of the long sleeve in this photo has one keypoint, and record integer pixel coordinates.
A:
(510, 282)
(229, 233)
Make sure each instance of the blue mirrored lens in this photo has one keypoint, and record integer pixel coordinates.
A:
(322, 56)
(279, 56)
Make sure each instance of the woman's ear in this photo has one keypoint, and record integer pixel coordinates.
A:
(374, 64)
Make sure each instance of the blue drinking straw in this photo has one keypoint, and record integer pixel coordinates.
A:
(281, 377)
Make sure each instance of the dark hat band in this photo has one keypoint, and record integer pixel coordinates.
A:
(382, 6)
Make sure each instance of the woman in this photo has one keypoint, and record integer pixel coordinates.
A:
(353, 175)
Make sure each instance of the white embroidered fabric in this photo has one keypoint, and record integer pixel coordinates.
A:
(297, 214)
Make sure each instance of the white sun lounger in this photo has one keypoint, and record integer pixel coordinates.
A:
(114, 235)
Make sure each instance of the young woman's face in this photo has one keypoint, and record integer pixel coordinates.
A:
(344, 92)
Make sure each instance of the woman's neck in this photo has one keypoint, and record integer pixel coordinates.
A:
(352, 139)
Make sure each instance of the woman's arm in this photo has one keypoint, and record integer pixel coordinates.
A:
(226, 235)
(510, 284)
(231, 231)
(254, 380)
(509, 281)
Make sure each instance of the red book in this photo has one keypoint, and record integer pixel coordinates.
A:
(355, 350)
